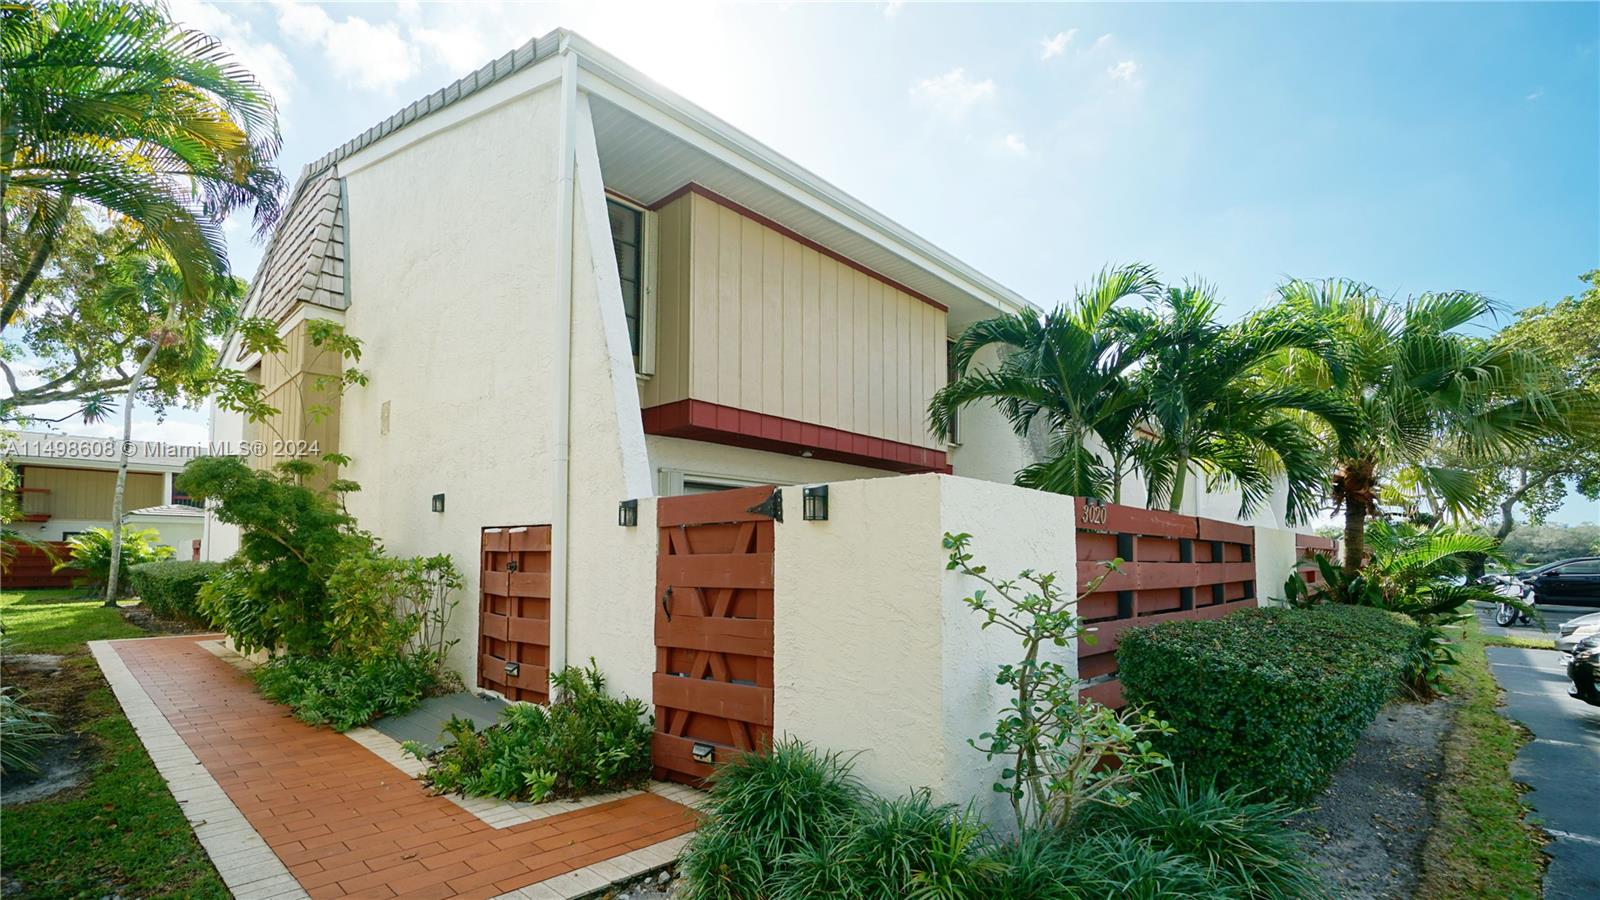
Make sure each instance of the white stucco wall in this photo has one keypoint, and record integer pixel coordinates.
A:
(874, 649)
(220, 540)
(452, 282)
(1275, 559)
(177, 532)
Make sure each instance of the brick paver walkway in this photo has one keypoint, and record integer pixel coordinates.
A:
(345, 822)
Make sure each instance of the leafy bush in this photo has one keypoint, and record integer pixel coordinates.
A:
(793, 823)
(90, 551)
(1064, 753)
(381, 604)
(1241, 843)
(344, 692)
(23, 732)
(171, 588)
(274, 591)
(1270, 699)
(584, 743)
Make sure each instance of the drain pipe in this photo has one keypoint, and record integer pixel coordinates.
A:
(563, 356)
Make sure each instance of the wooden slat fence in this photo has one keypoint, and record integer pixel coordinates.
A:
(1304, 546)
(1174, 567)
(29, 567)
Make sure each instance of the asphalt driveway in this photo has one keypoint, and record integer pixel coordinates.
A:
(1561, 764)
(1553, 617)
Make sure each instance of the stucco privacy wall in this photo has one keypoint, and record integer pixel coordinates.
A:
(1275, 558)
(452, 282)
(875, 650)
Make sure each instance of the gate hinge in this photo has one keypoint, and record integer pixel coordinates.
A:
(772, 507)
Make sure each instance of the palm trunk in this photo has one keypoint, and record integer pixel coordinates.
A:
(1179, 479)
(1355, 536)
(118, 497)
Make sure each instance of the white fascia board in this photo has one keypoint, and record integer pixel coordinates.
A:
(620, 84)
(540, 75)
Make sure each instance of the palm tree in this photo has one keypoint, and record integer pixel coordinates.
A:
(1066, 369)
(1418, 391)
(1213, 407)
(113, 104)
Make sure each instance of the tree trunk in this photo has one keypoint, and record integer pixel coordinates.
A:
(1179, 479)
(1506, 521)
(1355, 536)
(117, 498)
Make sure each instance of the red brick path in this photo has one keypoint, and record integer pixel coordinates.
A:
(345, 822)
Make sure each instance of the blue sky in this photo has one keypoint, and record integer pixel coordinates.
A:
(1413, 146)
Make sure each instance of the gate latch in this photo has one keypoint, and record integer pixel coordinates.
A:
(666, 603)
(513, 669)
(511, 565)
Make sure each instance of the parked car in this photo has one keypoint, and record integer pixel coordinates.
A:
(1583, 667)
(1575, 630)
(1570, 582)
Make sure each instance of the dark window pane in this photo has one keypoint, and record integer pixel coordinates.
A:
(627, 230)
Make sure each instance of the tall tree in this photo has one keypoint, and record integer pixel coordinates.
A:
(113, 105)
(1418, 391)
(1214, 411)
(1067, 370)
(1568, 335)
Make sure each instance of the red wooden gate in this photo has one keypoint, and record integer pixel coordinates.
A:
(1174, 567)
(27, 566)
(713, 678)
(514, 612)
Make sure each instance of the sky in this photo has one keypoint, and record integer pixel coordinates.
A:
(1411, 146)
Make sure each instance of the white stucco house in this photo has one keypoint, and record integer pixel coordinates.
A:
(586, 305)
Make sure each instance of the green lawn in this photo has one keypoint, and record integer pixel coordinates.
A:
(1480, 846)
(120, 832)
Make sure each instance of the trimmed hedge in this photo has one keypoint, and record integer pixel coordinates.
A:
(171, 589)
(1269, 699)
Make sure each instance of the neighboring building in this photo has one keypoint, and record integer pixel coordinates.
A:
(67, 484)
(577, 290)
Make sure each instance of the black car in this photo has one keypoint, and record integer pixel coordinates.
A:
(1583, 667)
(1570, 582)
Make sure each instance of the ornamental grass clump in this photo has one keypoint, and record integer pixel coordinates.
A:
(585, 742)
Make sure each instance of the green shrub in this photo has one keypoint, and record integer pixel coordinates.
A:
(171, 588)
(380, 604)
(583, 743)
(90, 552)
(1270, 699)
(24, 732)
(344, 692)
(1242, 843)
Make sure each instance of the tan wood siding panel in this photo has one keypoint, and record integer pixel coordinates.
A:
(88, 493)
(670, 336)
(773, 326)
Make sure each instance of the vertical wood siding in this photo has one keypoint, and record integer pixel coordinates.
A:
(88, 493)
(751, 318)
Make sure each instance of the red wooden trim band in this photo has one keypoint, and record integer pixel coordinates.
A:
(702, 421)
(747, 212)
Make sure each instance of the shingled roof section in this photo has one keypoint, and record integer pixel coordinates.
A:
(304, 263)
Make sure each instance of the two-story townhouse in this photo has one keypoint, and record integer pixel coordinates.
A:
(576, 292)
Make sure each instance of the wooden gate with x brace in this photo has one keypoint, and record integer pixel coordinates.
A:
(714, 613)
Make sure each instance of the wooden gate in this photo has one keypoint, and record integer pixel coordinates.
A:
(713, 678)
(514, 612)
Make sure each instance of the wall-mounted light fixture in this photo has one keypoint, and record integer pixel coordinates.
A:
(628, 513)
(705, 754)
(815, 503)
(438, 503)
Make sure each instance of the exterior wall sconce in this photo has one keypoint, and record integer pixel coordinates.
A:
(438, 503)
(703, 753)
(628, 513)
(815, 503)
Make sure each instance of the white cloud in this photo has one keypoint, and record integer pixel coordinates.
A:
(1055, 46)
(1015, 144)
(1536, 95)
(1101, 41)
(1125, 71)
(261, 57)
(953, 93)
(458, 49)
(374, 57)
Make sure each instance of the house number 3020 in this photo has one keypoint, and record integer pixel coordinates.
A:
(1093, 514)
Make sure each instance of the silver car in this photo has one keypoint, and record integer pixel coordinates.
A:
(1575, 630)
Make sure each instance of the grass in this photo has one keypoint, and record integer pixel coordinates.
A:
(120, 832)
(1495, 640)
(1480, 846)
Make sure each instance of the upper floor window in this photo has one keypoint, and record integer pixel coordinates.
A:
(950, 375)
(627, 238)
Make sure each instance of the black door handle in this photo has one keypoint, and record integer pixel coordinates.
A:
(666, 603)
